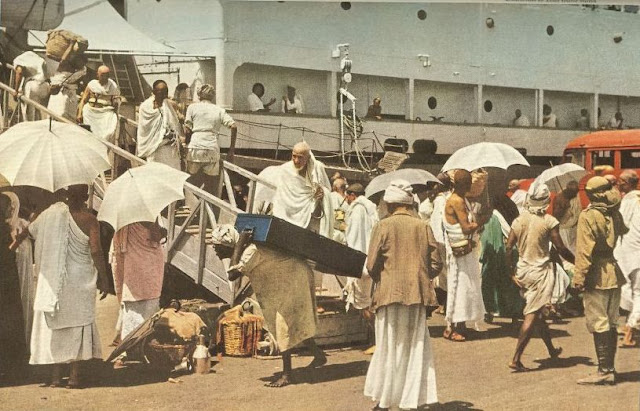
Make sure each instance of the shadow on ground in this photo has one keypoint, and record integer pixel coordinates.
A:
(452, 406)
(332, 372)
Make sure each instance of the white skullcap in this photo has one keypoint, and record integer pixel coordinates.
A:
(399, 192)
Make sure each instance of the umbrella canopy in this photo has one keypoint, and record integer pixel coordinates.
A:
(484, 154)
(140, 194)
(51, 155)
(557, 177)
(413, 175)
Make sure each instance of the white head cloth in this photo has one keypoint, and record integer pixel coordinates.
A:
(399, 192)
(538, 198)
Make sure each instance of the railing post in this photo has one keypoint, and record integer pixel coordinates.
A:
(202, 237)
(251, 197)
(171, 219)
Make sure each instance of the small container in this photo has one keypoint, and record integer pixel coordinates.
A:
(201, 357)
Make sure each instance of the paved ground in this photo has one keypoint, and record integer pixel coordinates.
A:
(471, 375)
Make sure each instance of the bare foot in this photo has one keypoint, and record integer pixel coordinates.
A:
(283, 381)
(518, 367)
(378, 408)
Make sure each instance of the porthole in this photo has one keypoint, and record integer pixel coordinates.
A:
(488, 106)
(422, 14)
(432, 103)
(550, 30)
(346, 5)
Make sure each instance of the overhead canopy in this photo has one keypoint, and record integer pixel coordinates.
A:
(105, 29)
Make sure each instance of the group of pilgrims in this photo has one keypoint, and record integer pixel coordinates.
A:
(467, 257)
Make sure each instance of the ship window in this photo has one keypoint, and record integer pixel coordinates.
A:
(346, 5)
(422, 14)
(550, 30)
(602, 158)
(432, 103)
(488, 106)
(630, 158)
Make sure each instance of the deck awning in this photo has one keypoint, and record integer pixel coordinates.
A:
(106, 30)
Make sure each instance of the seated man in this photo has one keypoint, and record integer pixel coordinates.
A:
(375, 110)
(254, 100)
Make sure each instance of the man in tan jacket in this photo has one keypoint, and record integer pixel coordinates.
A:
(403, 256)
(597, 273)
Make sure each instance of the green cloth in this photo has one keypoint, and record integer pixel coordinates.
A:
(499, 293)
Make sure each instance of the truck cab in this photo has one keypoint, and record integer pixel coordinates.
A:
(618, 149)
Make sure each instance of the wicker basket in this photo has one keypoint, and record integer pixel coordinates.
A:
(241, 335)
(63, 43)
(478, 182)
(167, 354)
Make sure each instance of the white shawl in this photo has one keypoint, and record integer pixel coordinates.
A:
(294, 202)
(153, 125)
(51, 231)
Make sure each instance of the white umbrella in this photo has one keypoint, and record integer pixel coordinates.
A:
(51, 155)
(140, 194)
(412, 175)
(484, 154)
(557, 177)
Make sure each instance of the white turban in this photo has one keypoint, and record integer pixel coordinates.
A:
(399, 192)
(538, 198)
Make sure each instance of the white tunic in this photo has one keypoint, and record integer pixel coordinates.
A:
(626, 253)
(361, 217)
(402, 371)
(464, 282)
(64, 326)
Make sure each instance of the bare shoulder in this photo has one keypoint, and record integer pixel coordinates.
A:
(85, 220)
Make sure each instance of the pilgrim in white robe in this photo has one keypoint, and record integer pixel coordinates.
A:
(158, 133)
(361, 217)
(64, 327)
(626, 253)
(294, 201)
(464, 281)
(24, 263)
(34, 83)
(437, 227)
(103, 118)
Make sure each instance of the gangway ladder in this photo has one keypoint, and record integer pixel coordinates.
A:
(131, 89)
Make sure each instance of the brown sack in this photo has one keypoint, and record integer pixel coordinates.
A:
(178, 324)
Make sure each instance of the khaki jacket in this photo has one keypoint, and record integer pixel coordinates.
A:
(403, 258)
(595, 267)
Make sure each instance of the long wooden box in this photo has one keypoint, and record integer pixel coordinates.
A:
(282, 235)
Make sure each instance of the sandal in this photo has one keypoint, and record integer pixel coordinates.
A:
(453, 336)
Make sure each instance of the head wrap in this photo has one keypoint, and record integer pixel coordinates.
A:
(356, 188)
(399, 192)
(602, 195)
(538, 198)
(206, 92)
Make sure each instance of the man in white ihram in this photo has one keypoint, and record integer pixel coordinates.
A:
(302, 196)
(362, 215)
(159, 128)
(98, 105)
